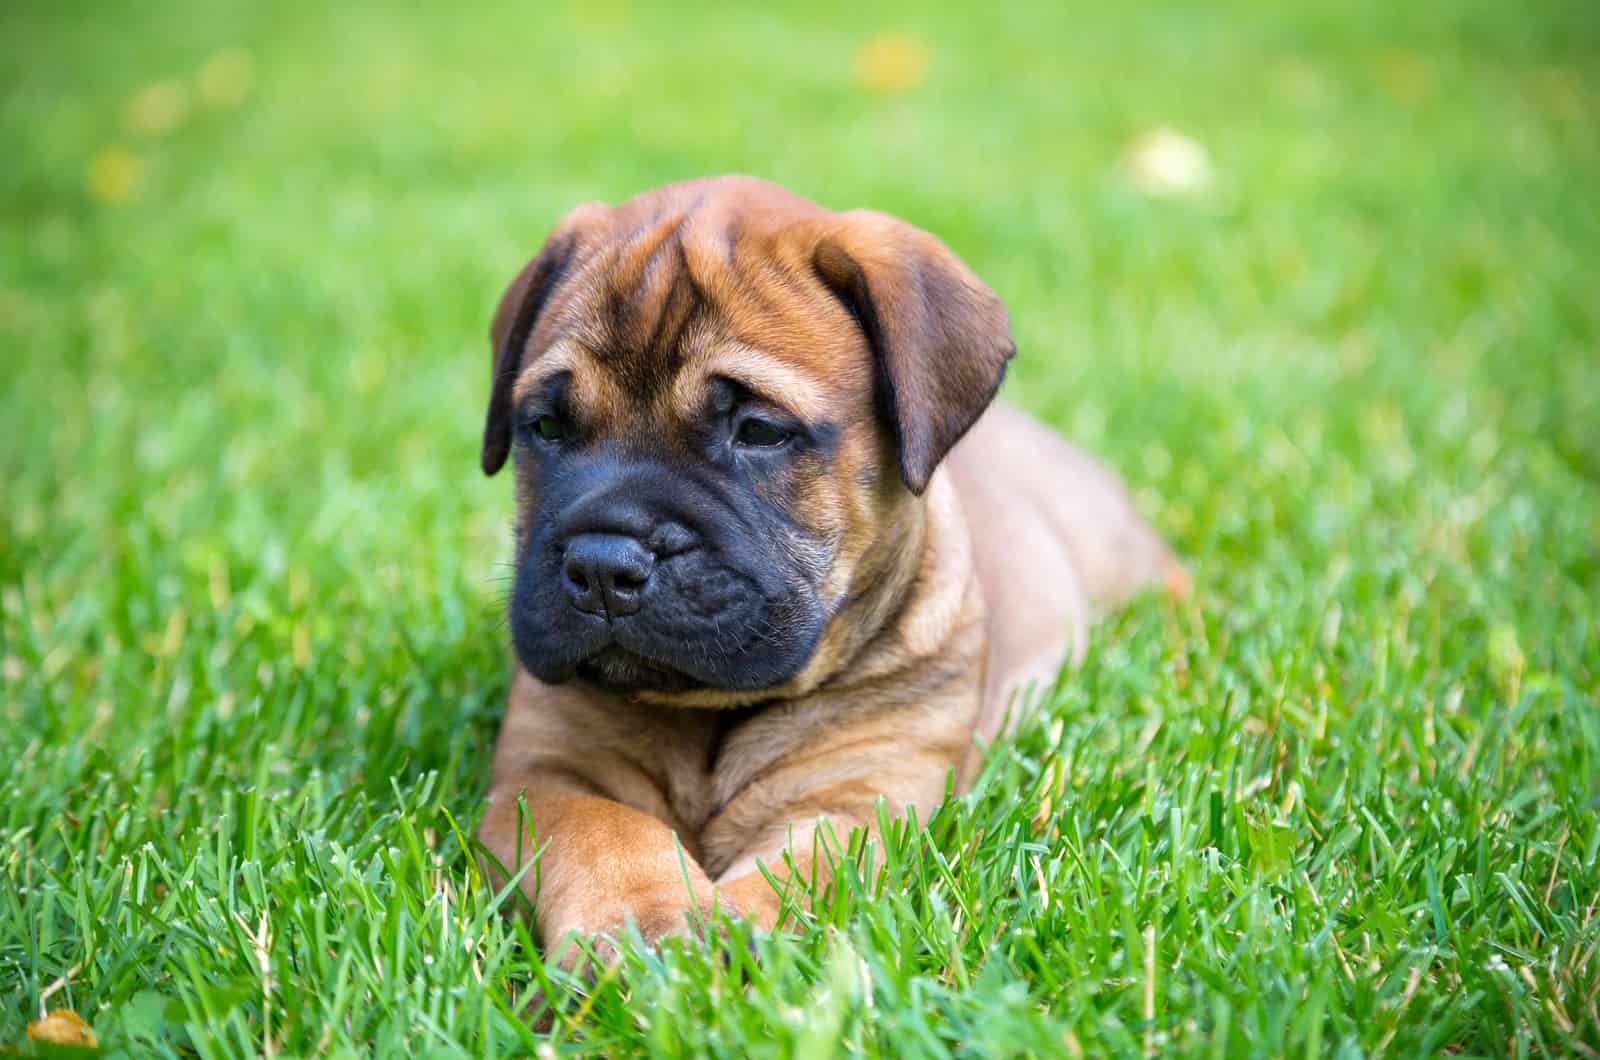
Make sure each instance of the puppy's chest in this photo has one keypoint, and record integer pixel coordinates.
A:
(712, 758)
(713, 768)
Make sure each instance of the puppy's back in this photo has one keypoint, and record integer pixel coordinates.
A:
(1056, 539)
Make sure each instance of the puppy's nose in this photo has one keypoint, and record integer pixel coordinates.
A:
(605, 574)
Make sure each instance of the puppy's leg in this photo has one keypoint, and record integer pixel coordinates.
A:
(603, 863)
(603, 824)
(793, 866)
(800, 836)
(798, 857)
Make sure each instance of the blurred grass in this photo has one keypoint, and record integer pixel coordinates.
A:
(250, 648)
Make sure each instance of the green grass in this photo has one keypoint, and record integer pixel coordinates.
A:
(251, 655)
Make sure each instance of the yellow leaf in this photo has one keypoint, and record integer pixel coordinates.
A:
(892, 62)
(114, 175)
(226, 78)
(63, 1027)
(157, 109)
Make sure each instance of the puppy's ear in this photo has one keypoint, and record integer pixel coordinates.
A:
(940, 337)
(515, 318)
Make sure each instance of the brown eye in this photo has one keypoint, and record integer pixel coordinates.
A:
(760, 433)
(549, 428)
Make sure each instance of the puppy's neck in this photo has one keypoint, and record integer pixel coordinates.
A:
(927, 601)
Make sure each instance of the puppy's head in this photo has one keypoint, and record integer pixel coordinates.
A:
(722, 402)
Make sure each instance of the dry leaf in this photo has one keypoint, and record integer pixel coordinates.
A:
(63, 1027)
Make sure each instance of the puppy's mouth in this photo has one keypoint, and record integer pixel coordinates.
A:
(691, 623)
(616, 669)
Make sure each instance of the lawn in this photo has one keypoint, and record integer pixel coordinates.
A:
(1344, 801)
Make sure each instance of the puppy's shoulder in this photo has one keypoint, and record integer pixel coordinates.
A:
(1019, 479)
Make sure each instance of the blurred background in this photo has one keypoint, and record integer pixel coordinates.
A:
(1321, 279)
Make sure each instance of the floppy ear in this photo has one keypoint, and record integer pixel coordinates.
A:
(514, 321)
(940, 337)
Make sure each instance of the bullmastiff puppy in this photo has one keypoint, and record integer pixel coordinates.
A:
(778, 553)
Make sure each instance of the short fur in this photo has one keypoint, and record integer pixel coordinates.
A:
(824, 623)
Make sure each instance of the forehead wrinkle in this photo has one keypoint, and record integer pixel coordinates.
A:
(559, 357)
(649, 306)
(764, 375)
(591, 391)
(768, 306)
(632, 257)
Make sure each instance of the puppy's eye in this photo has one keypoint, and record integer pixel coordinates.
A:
(549, 428)
(760, 433)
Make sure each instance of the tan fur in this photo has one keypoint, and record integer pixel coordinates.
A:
(944, 601)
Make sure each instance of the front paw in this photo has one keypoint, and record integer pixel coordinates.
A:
(580, 942)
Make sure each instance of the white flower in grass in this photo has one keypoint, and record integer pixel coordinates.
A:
(1167, 163)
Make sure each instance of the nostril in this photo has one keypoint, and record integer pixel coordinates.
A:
(577, 576)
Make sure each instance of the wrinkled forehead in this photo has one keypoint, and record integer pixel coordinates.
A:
(604, 391)
(645, 328)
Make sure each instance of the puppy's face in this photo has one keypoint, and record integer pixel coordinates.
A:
(682, 519)
(721, 402)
